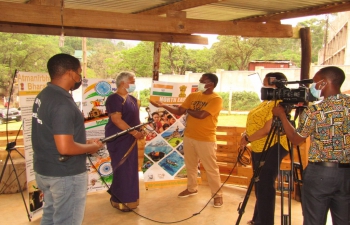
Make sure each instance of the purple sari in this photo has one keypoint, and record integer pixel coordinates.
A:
(125, 184)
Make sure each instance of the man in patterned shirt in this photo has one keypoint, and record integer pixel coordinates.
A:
(326, 184)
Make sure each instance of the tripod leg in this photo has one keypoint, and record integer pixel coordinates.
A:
(256, 174)
(286, 177)
(3, 169)
(18, 183)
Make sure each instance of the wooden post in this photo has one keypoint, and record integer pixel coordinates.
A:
(84, 57)
(305, 38)
(156, 59)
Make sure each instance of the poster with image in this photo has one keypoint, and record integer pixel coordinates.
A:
(163, 163)
(94, 96)
(30, 84)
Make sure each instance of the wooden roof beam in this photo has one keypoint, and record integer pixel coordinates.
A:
(95, 33)
(46, 2)
(91, 19)
(177, 6)
(320, 10)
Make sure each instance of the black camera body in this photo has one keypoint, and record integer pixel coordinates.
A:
(288, 95)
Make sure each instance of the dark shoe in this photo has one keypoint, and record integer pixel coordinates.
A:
(218, 202)
(250, 222)
(187, 193)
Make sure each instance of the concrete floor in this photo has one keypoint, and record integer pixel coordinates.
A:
(157, 206)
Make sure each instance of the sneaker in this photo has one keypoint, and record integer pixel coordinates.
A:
(218, 202)
(187, 193)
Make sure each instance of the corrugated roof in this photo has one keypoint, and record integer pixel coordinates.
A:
(138, 19)
(221, 10)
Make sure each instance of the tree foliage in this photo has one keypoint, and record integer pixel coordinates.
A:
(234, 52)
(27, 52)
(24, 53)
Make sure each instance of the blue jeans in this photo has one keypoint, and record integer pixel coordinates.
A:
(326, 189)
(64, 198)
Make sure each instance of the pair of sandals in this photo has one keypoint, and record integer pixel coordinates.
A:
(114, 205)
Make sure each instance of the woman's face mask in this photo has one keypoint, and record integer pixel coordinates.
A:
(131, 88)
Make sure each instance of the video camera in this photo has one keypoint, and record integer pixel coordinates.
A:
(288, 95)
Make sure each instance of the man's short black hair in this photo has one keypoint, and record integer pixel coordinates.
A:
(61, 63)
(212, 77)
(334, 74)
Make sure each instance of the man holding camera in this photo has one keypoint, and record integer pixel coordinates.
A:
(326, 179)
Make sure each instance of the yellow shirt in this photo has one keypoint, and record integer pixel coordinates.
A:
(202, 129)
(256, 120)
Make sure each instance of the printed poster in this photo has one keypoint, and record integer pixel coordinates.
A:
(94, 96)
(163, 163)
(30, 84)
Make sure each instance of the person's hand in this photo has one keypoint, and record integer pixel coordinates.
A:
(139, 135)
(278, 111)
(243, 142)
(96, 142)
(156, 103)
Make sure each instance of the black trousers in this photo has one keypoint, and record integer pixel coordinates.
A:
(326, 189)
(265, 192)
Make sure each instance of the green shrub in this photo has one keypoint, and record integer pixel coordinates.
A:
(144, 97)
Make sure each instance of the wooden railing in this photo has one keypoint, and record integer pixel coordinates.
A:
(228, 139)
(8, 183)
(12, 135)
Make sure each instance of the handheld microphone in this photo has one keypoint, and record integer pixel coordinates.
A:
(148, 110)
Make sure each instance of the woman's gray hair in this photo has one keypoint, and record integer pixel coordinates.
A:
(123, 76)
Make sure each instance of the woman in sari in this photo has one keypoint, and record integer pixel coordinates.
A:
(123, 112)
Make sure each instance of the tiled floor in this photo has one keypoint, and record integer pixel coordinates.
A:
(157, 206)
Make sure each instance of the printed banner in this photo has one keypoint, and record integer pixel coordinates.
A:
(95, 93)
(163, 163)
(30, 84)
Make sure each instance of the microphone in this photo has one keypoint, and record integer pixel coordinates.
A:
(150, 119)
(63, 158)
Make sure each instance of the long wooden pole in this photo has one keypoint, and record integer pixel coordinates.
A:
(305, 38)
(156, 59)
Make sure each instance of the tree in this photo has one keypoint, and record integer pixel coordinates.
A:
(24, 52)
(103, 60)
(138, 59)
(235, 53)
(317, 30)
(174, 58)
(201, 61)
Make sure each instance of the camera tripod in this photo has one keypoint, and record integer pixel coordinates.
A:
(284, 175)
(11, 146)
